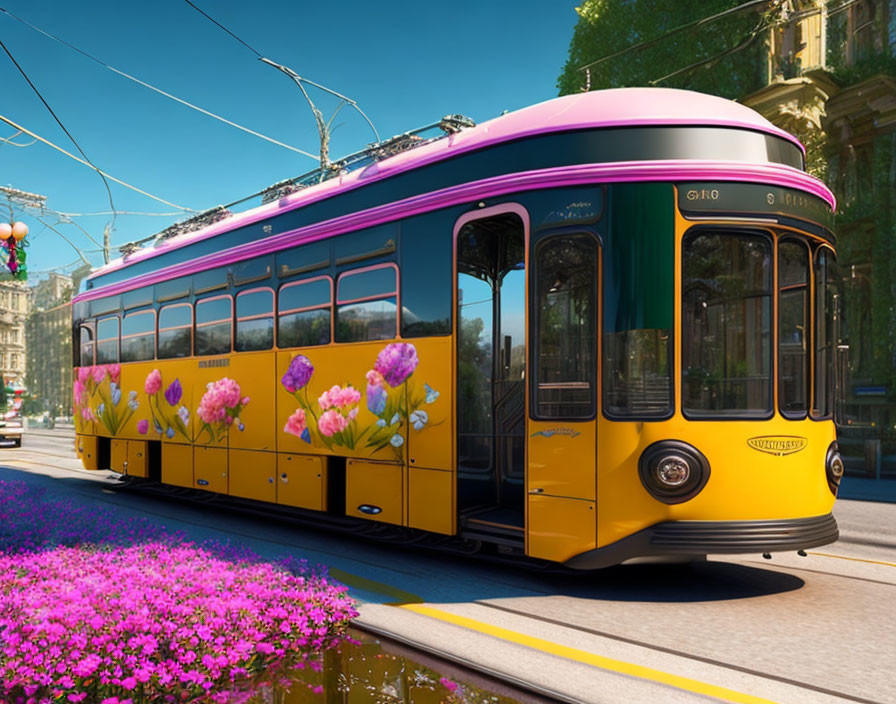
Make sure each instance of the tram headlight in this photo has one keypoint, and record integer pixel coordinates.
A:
(833, 465)
(673, 471)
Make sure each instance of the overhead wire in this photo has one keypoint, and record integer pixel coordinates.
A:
(213, 20)
(17, 126)
(107, 212)
(751, 37)
(158, 90)
(10, 142)
(59, 122)
(292, 74)
(688, 25)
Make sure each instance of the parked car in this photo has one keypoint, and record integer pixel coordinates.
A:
(11, 431)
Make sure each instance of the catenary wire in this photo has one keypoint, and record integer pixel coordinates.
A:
(297, 78)
(751, 37)
(158, 90)
(689, 25)
(213, 20)
(10, 142)
(59, 122)
(15, 125)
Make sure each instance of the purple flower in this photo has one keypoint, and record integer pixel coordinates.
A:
(396, 362)
(143, 426)
(298, 374)
(174, 392)
(376, 393)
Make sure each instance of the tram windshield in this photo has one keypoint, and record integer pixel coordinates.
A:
(727, 325)
(727, 346)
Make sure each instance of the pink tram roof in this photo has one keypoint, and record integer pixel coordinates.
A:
(618, 107)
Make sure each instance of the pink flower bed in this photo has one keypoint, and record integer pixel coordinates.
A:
(161, 621)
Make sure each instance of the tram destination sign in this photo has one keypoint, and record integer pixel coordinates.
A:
(704, 198)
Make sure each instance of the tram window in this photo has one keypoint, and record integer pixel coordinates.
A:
(367, 304)
(176, 288)
(639, 287)
(99, 306)
(86, 346)
(138, 336)
(726, 325)
(793, 325)
(80, 310)
(308, 257)
(565, 328)
(137, 298)
(251, 270)
(825, 295)
(175, 331)
(426, 271)
(107, 340)
(356, 246)
(255, 320)
(210, 280)
(214, 325)
(304, 313)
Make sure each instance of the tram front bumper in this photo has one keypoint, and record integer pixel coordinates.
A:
(677, 538)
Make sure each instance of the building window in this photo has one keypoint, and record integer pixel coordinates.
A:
(214, 325)
(367, 304)
(303, 312)
(255, 320)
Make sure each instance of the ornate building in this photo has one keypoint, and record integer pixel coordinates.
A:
(49, 378)
(14, 306)
(832, 82)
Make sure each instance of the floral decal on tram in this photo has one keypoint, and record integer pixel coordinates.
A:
(219, 409)
(96, 403)
(391, 396)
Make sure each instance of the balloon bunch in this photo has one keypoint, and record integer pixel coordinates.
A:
(11, 236)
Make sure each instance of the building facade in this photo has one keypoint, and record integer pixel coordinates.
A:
(832, 82)
(14, 308)
(48, 331)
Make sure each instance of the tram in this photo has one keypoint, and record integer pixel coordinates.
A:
(595, 329)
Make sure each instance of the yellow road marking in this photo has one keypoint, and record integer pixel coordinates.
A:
(605, 663)
(854, 559)
(369, 585)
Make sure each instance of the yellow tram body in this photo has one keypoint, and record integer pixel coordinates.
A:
(582, 500)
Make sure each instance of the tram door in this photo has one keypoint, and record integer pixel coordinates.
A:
(491, 358)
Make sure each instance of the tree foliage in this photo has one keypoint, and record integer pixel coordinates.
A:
(723, 56)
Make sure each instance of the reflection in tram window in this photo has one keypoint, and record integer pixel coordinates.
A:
(825, 294)
(793, 323)
(726, 325)
(638, 302)
(566, 294)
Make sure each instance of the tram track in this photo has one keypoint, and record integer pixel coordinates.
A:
(679, 653)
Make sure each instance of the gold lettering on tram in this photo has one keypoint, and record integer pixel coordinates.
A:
(703, 194)
(779, 445)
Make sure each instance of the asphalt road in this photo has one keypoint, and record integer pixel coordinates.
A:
(809, 629)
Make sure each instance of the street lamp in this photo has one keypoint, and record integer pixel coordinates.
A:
(12, 234)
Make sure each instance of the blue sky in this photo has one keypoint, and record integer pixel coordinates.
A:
(405, 63)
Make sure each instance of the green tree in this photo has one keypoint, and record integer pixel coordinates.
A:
(721, 55)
